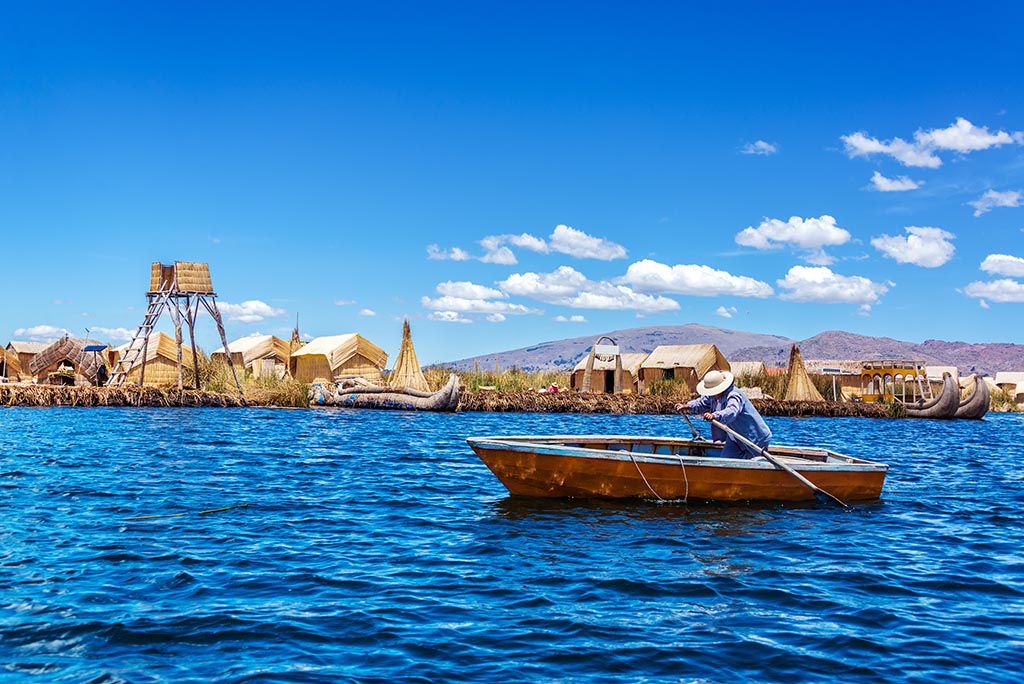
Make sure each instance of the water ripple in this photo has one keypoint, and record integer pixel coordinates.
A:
(374, 547)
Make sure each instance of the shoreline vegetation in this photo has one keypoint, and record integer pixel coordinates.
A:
(510, 391)
(493, 401)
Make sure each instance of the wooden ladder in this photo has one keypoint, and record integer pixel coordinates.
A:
(140, 340)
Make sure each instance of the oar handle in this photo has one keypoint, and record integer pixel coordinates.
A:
(818, 491)
(693, 431)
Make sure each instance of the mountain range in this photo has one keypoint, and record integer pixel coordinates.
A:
(773, 350)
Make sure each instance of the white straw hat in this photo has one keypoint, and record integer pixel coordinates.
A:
(714, 383)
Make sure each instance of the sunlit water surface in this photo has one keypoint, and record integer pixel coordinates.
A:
(374, 546)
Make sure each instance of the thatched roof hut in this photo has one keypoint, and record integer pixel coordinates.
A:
(326, 358)
(800, 387)
(1013, 382)
(65, 362)
(10, 367)
(24, 353)
(262, 355)
(686, 362)
(747, 369)
(603, 380)
(161, 361)
(407, 373)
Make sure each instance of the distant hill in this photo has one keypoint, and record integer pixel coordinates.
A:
(835, 344)
(562, 355)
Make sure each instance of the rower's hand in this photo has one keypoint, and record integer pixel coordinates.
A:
(709, 416)
(680, 407)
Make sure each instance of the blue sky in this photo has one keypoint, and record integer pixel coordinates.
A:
(507, 174)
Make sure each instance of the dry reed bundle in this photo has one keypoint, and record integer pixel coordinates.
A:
(125, 395)
(573, 402)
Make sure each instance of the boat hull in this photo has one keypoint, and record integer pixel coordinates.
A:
(976, 405)
(444, 399)
(651, 468)
(942, 407)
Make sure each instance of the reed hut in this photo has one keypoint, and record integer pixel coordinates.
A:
(161, 361)
(66, 362)
(1012, 382)
(21, 355)
(324, 359)
(748, 369)
(799, 387)
(407, 373)
(10, 367)
(681, 362)
(262, 355)
(603, 374)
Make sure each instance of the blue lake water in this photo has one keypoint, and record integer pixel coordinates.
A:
(375, 547)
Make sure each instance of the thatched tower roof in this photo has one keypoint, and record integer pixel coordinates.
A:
(407, 372)
(800, 387)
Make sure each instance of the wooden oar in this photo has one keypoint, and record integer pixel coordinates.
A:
(819, 493)
(693, 430)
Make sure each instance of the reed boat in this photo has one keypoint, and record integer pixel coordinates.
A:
(943, 406)
(976, 404)
(379, 397)
(667, 468)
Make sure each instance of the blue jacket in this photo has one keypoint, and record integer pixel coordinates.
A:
(734, 409)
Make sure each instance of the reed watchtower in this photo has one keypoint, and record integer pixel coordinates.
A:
(180, 288)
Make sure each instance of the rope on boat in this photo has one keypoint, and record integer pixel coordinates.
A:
(686, 481)
(642, 477)
(686, 492)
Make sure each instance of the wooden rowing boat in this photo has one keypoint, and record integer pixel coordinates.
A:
(666, 468)
(376, 397)
(977, 402)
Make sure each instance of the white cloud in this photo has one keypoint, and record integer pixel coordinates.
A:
(496, 318)
(900, 184)
(924, 246)
(252, 311)
(690, 279)
(812, 235)
(1004, 290)
(344, 302)
(820, 284)
(468, 290)
(476, 306)
(962, 136)
(527, 241)
(725, 312)
(42, 333)
(1004, 264)
(367, 312)
(992, 199)
(860, 145)
(759, 147)
(983, 304)
(571, 319)
(567, 240)
(454, 254)
(568, 287)
(495, 252)
(112, 334)
(448, 317)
